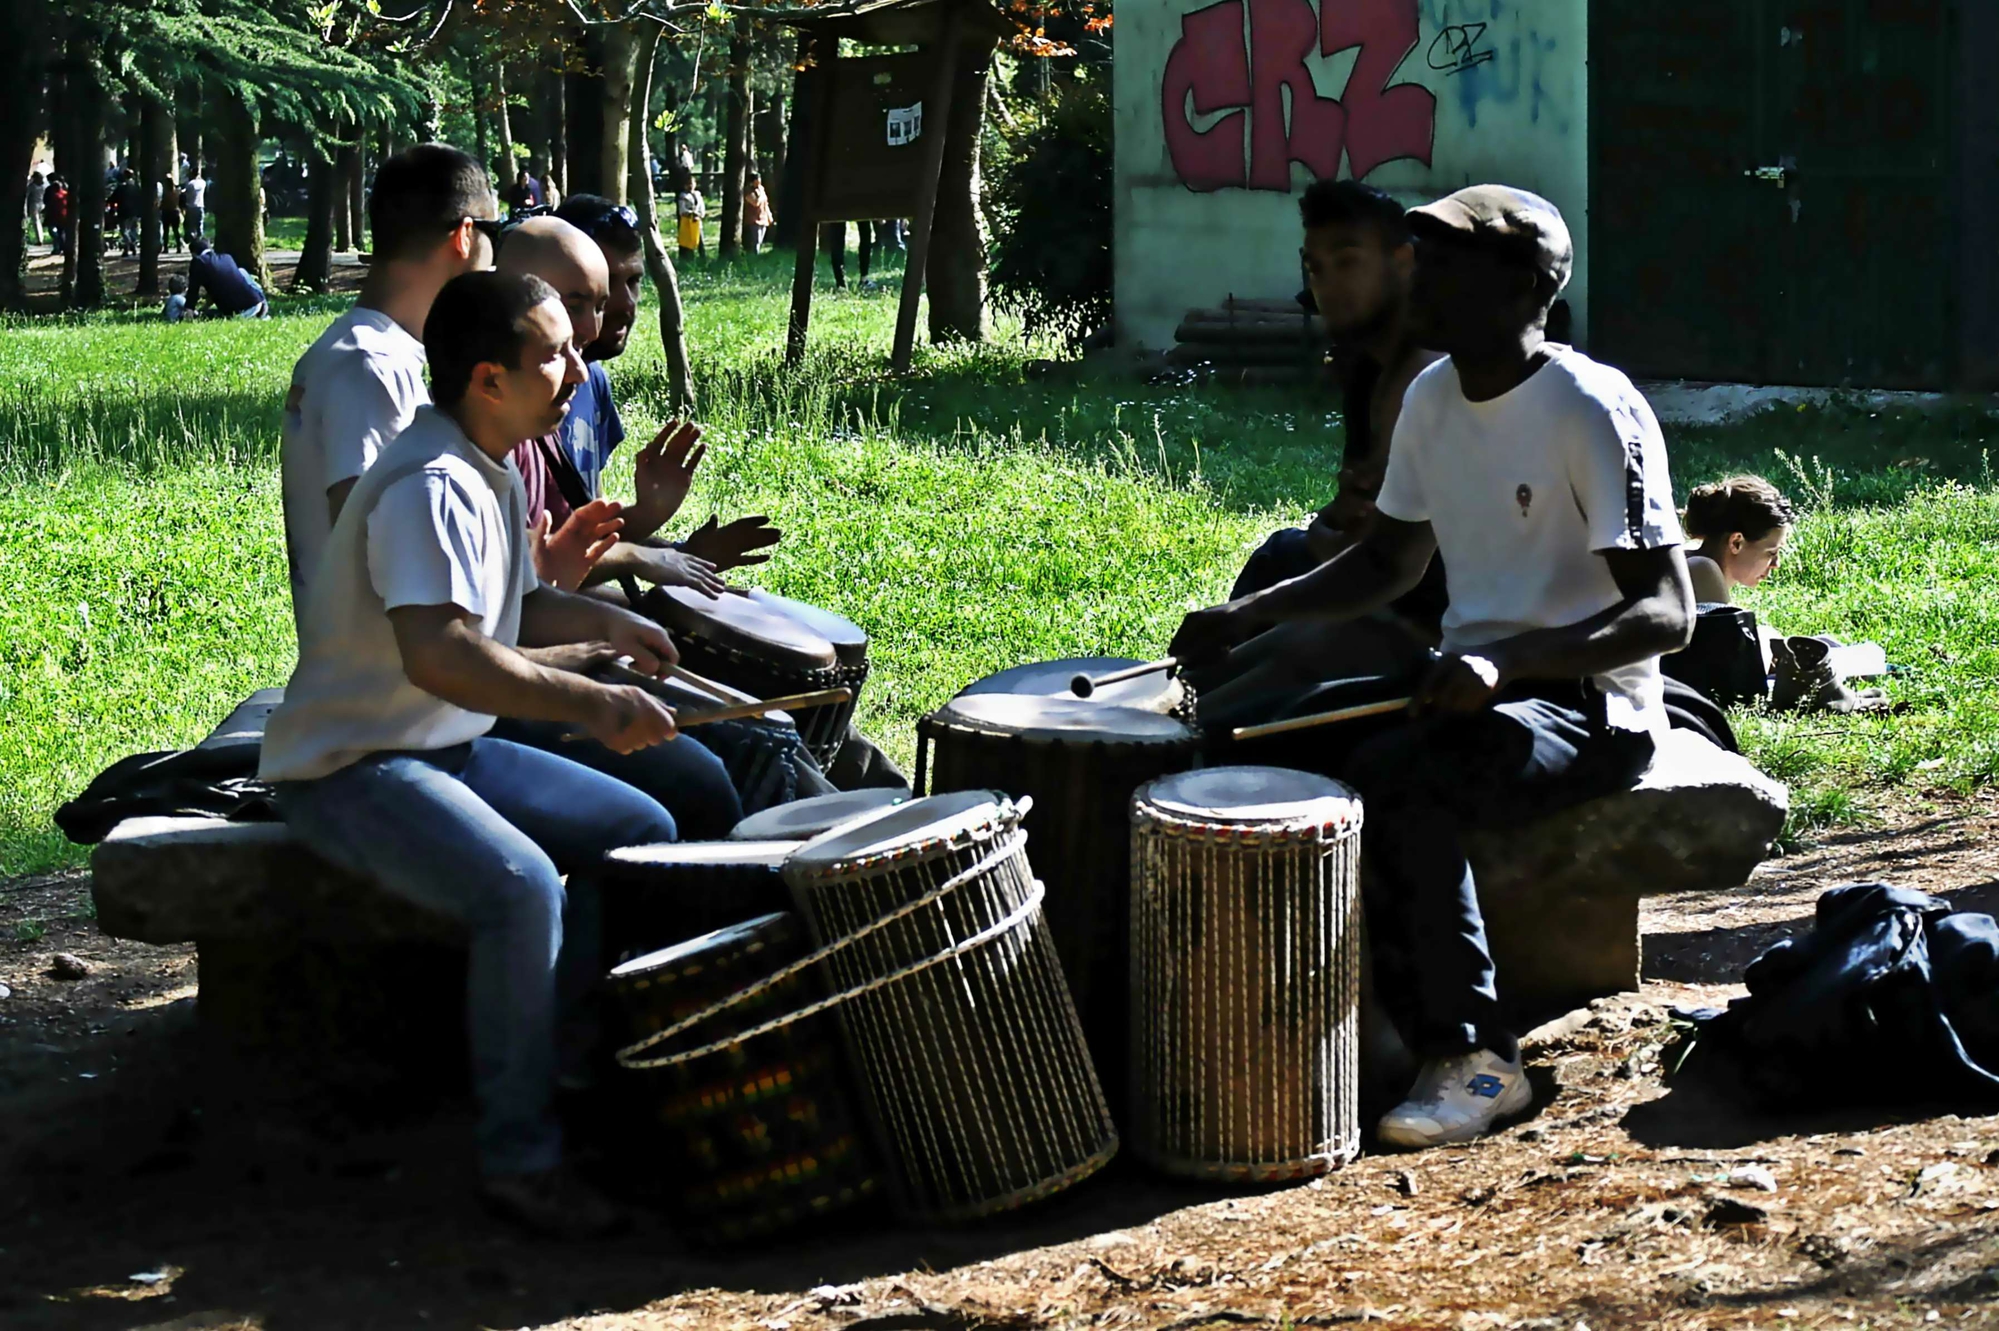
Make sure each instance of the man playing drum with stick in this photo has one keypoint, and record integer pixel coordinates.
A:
(410, 646)
(1541, 476)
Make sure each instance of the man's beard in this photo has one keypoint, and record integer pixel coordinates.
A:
(1374, 325)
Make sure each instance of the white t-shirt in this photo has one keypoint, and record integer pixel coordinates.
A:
(1525, 492)
(434, 521)
(352, 393)
(194, 191)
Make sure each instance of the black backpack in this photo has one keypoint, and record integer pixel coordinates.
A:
(1724, 662)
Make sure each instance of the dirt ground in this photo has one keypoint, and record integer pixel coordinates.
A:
(121, 276)
(133, 1194)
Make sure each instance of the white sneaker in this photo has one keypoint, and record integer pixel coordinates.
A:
(1456, 1099)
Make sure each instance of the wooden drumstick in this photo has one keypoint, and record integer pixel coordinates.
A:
(624, 674)
(1320, 719)
(1085, 685)
(740, 711)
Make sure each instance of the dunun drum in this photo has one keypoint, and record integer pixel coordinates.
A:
(734, 641)
(801, 820)
(1079, 762)
(1245, 987)
(972, 1064)
(1160, 691)
(760, 1134)
(655, 896)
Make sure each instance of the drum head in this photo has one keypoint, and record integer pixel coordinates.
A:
(698, 854)
(727, 941)
(1247, 795)
(803, 819)
(937, 818)
(846, 636)
(1068, 718)
(1157, 692)
(739, 623)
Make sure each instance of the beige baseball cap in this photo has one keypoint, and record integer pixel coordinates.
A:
(1512, 221)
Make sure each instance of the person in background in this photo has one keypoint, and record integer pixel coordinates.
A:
(524, 193)
(176, 307)
(693, 210)
(1742, 524)
(55, 207)
(193, 197)
(235, 293)
(170, 237)
(131, 211)
(38, 188)
(756, 205)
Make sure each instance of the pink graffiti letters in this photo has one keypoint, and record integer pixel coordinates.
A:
(1240, 57)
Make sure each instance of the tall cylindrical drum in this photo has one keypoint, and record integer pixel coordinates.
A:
(1245, 985)
(960, 1028)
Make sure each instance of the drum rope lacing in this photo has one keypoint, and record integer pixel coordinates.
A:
(1006, 847)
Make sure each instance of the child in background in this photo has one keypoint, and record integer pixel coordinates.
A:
(176, 307)
(757, 202)
(693, 208)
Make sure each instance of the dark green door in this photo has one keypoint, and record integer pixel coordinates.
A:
(1770, 190)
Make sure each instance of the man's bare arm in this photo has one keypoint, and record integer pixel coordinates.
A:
(553, 618)
(1655, 617)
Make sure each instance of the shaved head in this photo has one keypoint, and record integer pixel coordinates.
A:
(562, 256)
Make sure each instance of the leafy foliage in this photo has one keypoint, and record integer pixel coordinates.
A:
(1052, 196)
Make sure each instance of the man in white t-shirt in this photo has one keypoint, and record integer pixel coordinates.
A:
(1540, 475)
(426, 621)
(359, 385)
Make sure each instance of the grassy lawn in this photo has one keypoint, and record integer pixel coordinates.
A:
(971, 516)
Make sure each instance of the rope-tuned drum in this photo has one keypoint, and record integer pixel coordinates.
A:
(1245, 986)
(655, 896)
(801, 820)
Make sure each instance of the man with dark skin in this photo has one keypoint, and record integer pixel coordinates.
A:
(1542, 476)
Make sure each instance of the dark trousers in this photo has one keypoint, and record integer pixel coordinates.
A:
(833, 238)
(1426, 784)
(1285, 555)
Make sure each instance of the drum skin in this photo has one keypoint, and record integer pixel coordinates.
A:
(1079, 762)
(974, 1070)
(1245, 992)
(759, 1136)
(1160, 691)
(801, 820)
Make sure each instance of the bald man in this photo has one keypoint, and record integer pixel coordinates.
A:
(580, 538)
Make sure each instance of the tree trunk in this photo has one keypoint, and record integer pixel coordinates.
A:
(155, 139)
(555, 105)
(480, 84)
(790, 177)
(324, 189)
(187, 118)
(736, 138)
(583, 119)
(22, 80)
(955, 275)
(343, 215)
(770, 135)
(659, 264)
(624, 139)
(357, 204)
(87, 189)
(233, 193)
(509, 167)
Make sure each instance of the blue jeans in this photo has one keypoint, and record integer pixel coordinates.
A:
(1425, 784)
(683, 774)
(482, 833)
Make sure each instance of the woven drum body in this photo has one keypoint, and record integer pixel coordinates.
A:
(735, 641)
(760, 1135)
(1161, 691)
(1079, 762)
(656, 896)
(974, 1069)
(1245, 986)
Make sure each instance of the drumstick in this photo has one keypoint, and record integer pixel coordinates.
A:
(1084, 685)
(624, 674)
(741, 710)
(1320, 719)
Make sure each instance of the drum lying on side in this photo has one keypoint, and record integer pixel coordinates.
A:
(1158, 692)
(801, 820)
(1245, 993)
(760, 1135)
(1079, 761)
(656, 896)
(974, 1070)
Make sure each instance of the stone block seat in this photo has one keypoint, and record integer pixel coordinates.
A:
(293, 948)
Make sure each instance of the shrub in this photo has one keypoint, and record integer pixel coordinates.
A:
(1051, 199)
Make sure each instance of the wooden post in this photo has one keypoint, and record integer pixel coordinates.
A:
(802, 276)
(817, 55)
(936, 125)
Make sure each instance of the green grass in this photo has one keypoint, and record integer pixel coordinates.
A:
(971, 516)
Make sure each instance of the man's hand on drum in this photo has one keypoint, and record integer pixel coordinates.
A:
(578, 658)
(666, 567)
(1459, 682)
(1206, 636)
(626, 718)
(662, 475)
(565, 556)
(637, 637)
(734, 545)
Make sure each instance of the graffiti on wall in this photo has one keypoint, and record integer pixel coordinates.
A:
(1238, 60)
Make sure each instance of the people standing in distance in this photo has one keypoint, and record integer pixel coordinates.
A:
(1541, 475)
(410, 645)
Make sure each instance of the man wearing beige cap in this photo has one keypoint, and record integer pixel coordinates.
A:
(1540, 476)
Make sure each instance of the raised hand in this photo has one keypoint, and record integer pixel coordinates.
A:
(565, 557)
(733, 546)
(662, 474)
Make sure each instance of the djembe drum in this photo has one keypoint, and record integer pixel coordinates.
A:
(1078, 761)
(959, 1024)
(801, 820)
(1245, 992)
(655, 896)
(756, 1130)
(735, 641)
(1162, 691)
(850, 644)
